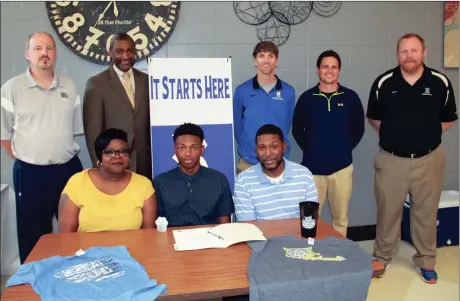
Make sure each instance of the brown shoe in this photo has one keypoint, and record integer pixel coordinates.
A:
(379, 269)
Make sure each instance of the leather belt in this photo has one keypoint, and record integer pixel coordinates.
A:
(407, 155)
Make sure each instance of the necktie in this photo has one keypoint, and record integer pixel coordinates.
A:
(128, 87)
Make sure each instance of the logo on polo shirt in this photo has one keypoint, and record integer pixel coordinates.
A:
(64, 95)
(278, 96)
(427, 92)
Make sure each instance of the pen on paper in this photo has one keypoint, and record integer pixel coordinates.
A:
(220, 237)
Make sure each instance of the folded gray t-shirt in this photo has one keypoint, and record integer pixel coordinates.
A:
(286, 268)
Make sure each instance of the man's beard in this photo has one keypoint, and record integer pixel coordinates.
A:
(44, 65)
(278, 163)
(119, 64)
(413, 67)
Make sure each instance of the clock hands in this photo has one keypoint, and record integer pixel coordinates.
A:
(102, 15)
(115, 9)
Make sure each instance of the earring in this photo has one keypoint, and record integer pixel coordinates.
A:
(98, 163)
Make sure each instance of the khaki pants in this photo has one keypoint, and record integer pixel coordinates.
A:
(337, 187)
(242, 166)
(395, 177)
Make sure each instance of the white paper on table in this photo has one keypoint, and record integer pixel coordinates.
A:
(221, 236)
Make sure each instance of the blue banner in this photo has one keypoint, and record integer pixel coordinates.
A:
(198, 91)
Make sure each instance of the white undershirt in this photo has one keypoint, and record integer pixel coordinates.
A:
(276, 180)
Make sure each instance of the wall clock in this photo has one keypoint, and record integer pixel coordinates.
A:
(87, 27)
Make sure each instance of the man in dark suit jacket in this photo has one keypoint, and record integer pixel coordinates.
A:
(119, 98)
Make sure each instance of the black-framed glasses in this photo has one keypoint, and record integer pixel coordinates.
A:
(112, 153)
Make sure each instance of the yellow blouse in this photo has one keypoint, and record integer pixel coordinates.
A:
(103, 212)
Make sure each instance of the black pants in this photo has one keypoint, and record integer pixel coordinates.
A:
(38, 189)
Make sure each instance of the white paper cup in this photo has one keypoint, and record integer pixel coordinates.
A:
(162, 228)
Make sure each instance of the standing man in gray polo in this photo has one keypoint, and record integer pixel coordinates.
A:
(40, 114)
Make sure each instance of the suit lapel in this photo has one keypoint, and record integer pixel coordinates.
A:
(117, 86)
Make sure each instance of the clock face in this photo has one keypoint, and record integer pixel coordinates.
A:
(88, 27)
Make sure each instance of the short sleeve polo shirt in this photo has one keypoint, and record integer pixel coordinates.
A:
(411, 115)
(199, 199)
(40, 123)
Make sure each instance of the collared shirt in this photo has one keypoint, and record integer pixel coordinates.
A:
(120, 76)
(199, 199)
(257, 198)
(411, 115)
(253, 108)
(40, 123)
(327, 128)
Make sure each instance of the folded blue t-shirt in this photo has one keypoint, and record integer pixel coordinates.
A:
(101, 273)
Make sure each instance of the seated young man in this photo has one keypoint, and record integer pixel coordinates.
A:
(191, 194)
(273, 188)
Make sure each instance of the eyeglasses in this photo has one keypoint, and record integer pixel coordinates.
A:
(112, 153)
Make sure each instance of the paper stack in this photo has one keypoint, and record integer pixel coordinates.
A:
(220, 236)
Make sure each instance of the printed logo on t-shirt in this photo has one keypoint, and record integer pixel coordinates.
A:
(96, 270)
(308, 222)
(308, 254)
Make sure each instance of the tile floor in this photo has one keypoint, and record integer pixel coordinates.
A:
(402, 282)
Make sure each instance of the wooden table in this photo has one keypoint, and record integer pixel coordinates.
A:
(188, 275)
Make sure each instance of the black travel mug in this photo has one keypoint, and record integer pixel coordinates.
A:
(308, 218)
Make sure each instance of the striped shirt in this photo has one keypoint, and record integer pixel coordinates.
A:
(257, 198)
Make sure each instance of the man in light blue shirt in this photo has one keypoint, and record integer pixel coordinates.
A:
(274, 187)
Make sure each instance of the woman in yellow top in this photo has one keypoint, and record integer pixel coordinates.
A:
(109, 197)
